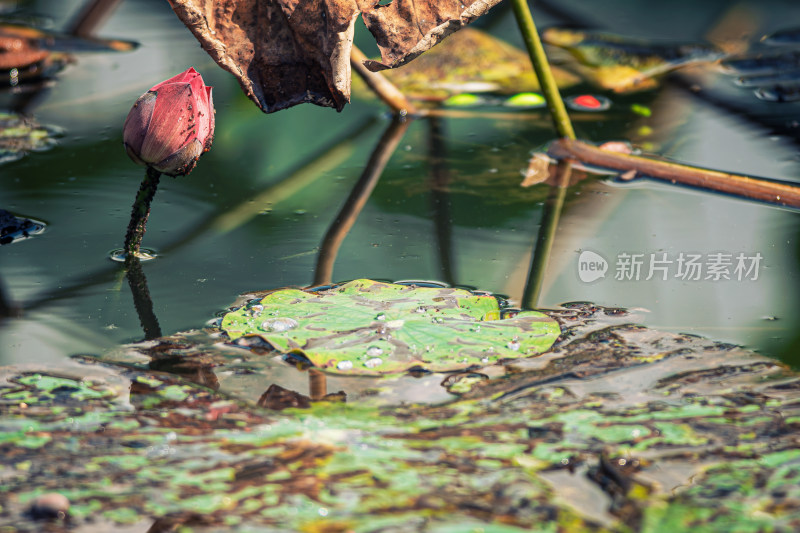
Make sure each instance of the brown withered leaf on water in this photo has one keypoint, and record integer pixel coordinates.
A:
(287, 52)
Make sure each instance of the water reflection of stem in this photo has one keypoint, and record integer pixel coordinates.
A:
(140, 212)
(7, 307)
(380, 84)
(91, 17)
(317, 384)
(440, 197)
(141, 298)
(547, 233)
(355, 202)
(230, 219)
(542, 68)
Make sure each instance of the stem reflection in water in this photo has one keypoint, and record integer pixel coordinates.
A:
(352, 207)
(440, 198)
(141, 298)
(547, 233)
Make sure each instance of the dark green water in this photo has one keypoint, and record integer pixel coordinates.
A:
(225, 229)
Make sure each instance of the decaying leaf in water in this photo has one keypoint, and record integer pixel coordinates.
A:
(29, 54)
(620, 428)
(286, 52)
(774, 76)
(623, 64)
(538, 170)
(470, 61)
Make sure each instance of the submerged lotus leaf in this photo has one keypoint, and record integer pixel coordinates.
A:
(369, 327)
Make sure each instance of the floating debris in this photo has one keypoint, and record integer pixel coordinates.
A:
(783, 37)
(50, 505)
(761, 63)
(13, 228)
(20, 135)
(588, 102)
(779, 93)
(526, 100)
(464, 100)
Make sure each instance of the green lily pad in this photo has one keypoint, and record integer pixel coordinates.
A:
(369, 327)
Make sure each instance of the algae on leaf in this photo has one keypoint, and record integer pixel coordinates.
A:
(369, 327)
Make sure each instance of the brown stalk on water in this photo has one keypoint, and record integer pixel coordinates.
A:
(380, 84)
(745, 186)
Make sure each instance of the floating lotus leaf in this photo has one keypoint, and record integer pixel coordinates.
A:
(369, 327)
(624, 64)
(469, 61)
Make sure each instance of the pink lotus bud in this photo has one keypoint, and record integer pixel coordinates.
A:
(171, 125)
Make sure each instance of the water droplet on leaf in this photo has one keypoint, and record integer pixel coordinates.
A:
(373, 363)
(279, 325)
(374, 351)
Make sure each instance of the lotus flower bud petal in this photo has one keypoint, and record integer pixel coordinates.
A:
(171, 125)
(181, 162)
(137, 122)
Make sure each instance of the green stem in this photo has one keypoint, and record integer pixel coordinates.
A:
(542, 68)
(140, 212)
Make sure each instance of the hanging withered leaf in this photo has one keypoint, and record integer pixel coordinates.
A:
(623, 64)
(286, 52)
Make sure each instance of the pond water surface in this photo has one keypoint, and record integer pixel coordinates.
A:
(653, 428)
(254, 212)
